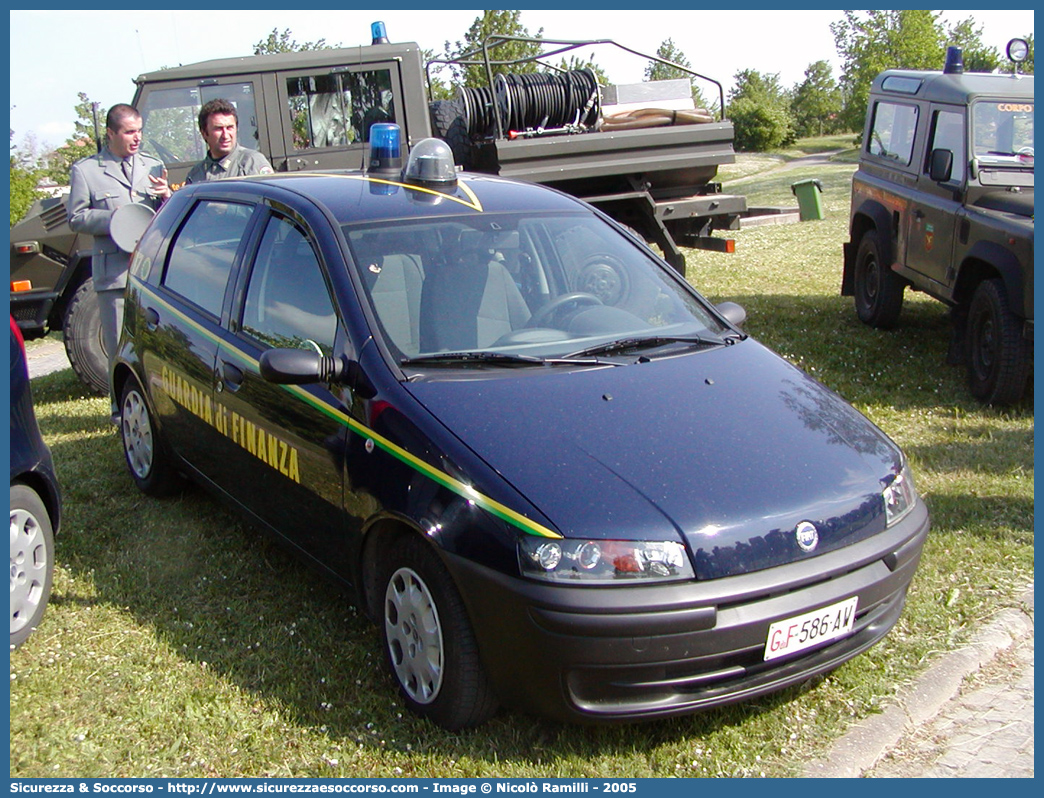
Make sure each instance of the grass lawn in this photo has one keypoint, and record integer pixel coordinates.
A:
(181, 643)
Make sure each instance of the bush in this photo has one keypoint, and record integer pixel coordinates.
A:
(761, 126)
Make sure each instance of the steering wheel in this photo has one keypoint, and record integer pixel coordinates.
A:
(539, 318)
(1024, 151)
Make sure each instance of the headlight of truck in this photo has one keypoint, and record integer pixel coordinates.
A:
(602, 561)
(900, 496)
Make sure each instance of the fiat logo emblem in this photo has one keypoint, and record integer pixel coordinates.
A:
(807, 536)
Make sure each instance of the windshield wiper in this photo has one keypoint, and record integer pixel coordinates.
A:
(625, 344)
(497, 358)
(501, 359)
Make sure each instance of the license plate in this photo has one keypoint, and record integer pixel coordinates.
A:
(812, 628)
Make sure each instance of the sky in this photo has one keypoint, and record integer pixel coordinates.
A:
(57, 53)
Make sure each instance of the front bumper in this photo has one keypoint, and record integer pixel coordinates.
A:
(630, 653)
(31, 310)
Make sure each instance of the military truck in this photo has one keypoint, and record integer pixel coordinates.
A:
(640, 152)
(942, 202)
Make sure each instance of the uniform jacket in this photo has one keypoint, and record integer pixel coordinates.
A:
(97, 188)
(242, 161)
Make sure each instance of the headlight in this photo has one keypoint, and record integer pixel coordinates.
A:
(900, 496)
(602, 561)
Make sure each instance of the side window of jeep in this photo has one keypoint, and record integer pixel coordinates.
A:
(948, 134)
(892, 132)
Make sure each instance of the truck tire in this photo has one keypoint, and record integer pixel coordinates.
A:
(999, 358)
(878, 290)
(83, 339)
(447, 123)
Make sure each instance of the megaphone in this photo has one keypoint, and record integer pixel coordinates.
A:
(128, 223)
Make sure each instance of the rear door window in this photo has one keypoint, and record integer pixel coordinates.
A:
(892, 132)
(203, 251)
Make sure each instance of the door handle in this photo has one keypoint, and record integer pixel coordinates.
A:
(152, 318)
(231, 375)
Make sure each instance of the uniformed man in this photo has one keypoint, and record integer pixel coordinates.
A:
(219, 126)
(118, 175)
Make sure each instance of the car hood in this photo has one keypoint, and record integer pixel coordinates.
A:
(729, 449)
(1019, 204)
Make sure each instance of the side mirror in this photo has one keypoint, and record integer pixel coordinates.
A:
(734, 314)
(940, 165)
(303, 366)
(299, 367)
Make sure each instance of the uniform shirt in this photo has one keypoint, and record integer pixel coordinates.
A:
(97, 187)
(240, 162)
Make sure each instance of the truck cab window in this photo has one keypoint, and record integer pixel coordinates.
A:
(336, 109)
(170, 119)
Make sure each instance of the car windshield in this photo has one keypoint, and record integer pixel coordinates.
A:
(529, 287)
(1002, 133)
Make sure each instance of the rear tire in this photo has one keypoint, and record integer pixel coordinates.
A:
(32, 561)
(878, 290)
(429, 646)
(999, 358)
(143, 447)
(84, 344)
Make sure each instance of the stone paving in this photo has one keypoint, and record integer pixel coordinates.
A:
(986, 732)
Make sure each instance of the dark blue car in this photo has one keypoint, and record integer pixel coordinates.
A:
(555, 476)
(35, 504)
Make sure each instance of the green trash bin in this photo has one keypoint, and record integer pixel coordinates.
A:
(809, 196)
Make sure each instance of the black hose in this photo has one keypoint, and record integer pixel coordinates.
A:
(532, 100)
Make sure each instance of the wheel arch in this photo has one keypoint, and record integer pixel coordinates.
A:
(380, 536)
(871, 215)
(73, 276)
(48, 493)
(985, 261)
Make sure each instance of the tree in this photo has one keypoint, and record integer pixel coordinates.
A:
(281, 42)
(977, 56)
(816, 102)
(656, 70)
(760, 111)
(869, 42)
(504, 23)
(577, 62)
(82, 143)
(23, 178)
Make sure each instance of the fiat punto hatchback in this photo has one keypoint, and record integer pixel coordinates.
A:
(554, 475)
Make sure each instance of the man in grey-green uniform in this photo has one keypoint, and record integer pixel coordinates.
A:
(118, 175)
(219, 126)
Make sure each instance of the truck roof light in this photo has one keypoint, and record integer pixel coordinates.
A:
(385, 148)
(379, 33)
(1018, 50)
(431, 165)
(954, 61)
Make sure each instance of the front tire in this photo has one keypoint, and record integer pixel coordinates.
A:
(84, 344)
(428, 643)
(32, 561)
(143, 448)
(998, 356)
(878, 290)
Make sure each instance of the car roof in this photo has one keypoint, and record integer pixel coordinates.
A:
(354, 196)
(952, 88)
